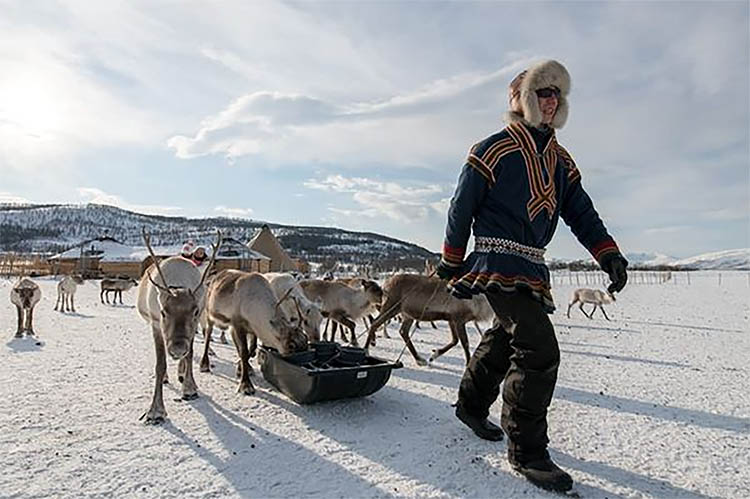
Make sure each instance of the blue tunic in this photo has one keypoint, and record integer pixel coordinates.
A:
(513, 187)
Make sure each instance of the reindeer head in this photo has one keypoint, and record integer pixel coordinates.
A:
(608, 297)
(373, 291)
(77, 278)
(180, 309)
(311, 319)
(288, 329)
(291, 337)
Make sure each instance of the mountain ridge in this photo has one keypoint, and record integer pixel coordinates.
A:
(52, 228)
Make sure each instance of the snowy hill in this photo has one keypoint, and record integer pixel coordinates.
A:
(649, 259)
(737, 259)
(56, 227)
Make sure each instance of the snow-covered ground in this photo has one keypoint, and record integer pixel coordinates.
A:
(653, 404)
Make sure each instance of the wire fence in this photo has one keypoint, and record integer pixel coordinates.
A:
(648, 277)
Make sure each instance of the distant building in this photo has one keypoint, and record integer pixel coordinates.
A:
(266, 243)
(105, 256)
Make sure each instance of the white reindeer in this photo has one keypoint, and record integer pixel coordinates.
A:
(245, 303)
(342, 303)
(25, 294)
(170, 298)
(594, 296)
(282, 283)
(66, 290)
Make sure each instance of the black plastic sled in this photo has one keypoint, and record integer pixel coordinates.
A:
(328, 371)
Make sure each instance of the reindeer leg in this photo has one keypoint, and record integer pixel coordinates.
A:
(157, 413)
(352, 326)
(569, 305)
(605, 313)
(223, 337)
(119, 293)
(30, 322)
(334, 328)
(240, 342)
(464, 339)
(19, 330)
(454, 340)
(57, 301)
(101, 295)
(189, 388)
(479, 329)
(433, 325)
(205, 364)
(72, 303)
(580, 305)
(404, 331)
(389, 310)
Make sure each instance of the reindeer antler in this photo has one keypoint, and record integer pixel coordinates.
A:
(147, 240)
(286, 295)
(215, 248)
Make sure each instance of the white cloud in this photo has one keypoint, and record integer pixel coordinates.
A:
(375, 198)
(234, 212)
(97, 196)
(300, 128)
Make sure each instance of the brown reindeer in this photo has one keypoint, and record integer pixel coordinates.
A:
(342, 303)
(245, 303)
(418, 297)
(115, 286)
(25, 294)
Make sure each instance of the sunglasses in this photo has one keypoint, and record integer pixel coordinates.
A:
(548, 92)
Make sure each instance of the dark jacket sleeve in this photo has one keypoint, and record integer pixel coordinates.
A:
(579, 214)
(472, 187)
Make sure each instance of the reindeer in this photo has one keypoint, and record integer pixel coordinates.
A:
(116, 286)
(595, 296)
(418, 297)
(25, 294)
(310, 310)
(246, 303)
(342, 303)
(357, 283)
(170, 298)
(66, 290)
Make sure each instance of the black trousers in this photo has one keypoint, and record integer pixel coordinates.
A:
(526, 356)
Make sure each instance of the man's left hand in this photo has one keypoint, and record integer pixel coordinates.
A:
(615, 265)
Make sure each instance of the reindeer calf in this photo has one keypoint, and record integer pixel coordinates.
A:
(66, 290)
(594, 296)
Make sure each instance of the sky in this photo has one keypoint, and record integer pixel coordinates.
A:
(359, 115)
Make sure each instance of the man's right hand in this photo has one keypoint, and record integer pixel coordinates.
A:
(615, 265)
(446, 272)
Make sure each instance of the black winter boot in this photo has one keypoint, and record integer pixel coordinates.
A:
(481, 426)
(544, 473)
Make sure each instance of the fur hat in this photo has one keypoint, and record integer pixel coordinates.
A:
(524, 105)
(187, 249)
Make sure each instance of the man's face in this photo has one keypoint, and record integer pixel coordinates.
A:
(548, 105)
(549, 98)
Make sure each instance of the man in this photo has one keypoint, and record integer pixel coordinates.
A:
(512, 190)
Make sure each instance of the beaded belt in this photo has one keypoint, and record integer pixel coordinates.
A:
(498, 245)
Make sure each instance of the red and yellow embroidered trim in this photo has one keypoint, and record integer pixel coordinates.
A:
(541, 187)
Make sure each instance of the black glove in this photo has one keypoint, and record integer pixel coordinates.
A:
(615, 264)
(447, 272)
